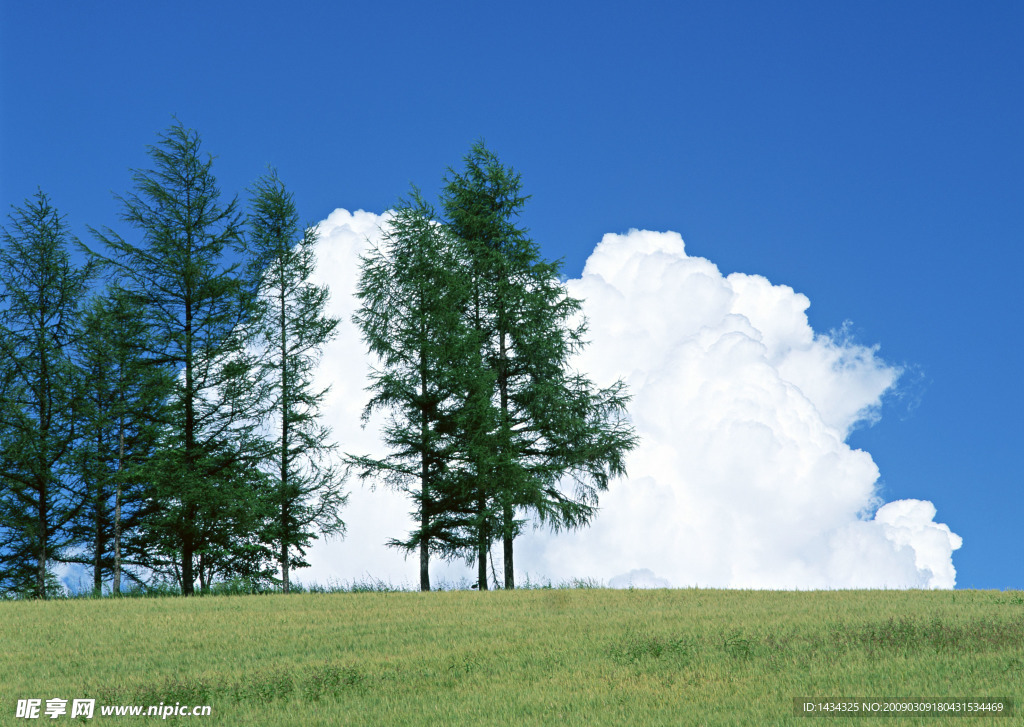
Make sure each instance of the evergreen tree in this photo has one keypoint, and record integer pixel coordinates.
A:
(40, 292)
(208, 495)
(414, 297)
(124, 401)
(292, 328)
(553, 427)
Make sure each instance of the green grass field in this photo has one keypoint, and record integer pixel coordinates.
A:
(528, 657)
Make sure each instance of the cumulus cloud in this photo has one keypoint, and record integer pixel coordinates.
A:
(743, 477)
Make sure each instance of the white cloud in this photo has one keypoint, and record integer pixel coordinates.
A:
(743, 477)
(642, 578)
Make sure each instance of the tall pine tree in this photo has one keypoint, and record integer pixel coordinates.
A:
(414, 296)
(40, 293)
(554, 429)
(291, 328)
(198, 308)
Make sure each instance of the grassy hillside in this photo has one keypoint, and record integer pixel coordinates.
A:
(532, 657)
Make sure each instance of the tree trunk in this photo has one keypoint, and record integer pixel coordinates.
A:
(424, 566)
(187, 544)
(510, 581)
(98, 544)
(507, 511)
(482, 552)
(285, 495)
(203, 581)
(424, 482)
(41, 549)
(284, 568)
(481, 570)
(284, 504)
(43, 478)
(97, 559)
(424, 540)
(116, 585)
(187, 574)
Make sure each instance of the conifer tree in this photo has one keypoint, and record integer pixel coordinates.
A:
(291, 328)
(209, 496)
(124, 402)
(40, 293)
(414, 297)
(554, 429)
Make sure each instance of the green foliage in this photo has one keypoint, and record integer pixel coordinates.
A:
(124, 404)
(170, 430)
(475, 334)
(209, 499)
(552, 426)
(414, 296)
(290, 327)
(40, 293)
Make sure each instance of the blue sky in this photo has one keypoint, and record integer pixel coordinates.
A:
(868, 155)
